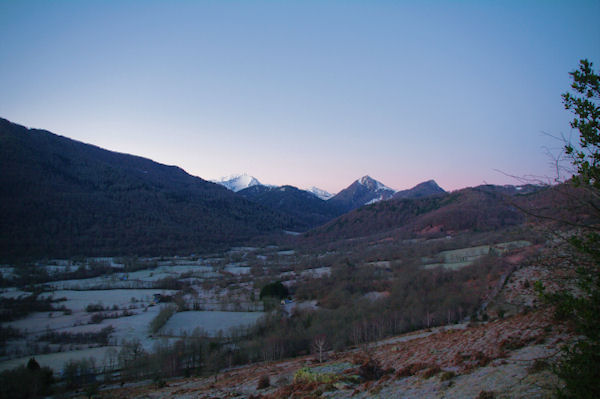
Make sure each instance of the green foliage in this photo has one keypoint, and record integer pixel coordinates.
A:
(276, 290)
(585, 106)
(579, 370)
(307, 375)
(580, 364)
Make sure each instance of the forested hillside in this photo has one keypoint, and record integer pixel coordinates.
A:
(60, 197)
(307, 209)
(483, 208)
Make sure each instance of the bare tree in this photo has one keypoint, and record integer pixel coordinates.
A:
(319, 345)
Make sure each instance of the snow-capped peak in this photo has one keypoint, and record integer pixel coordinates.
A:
(238, 182)
(324, 195)
(373, 184)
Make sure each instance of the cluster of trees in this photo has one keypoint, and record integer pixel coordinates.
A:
(100, 337)
(26, 382)
(413, 299)
(16, 308)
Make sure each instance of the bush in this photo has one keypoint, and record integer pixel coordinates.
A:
(306, 375)
(263, 382)
(447, 375)
(371, 370)
(411, 369)
(94, 307)
(538, 365)
(431, 371)
(276, 290)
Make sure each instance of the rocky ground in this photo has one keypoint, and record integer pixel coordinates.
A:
(505, 357)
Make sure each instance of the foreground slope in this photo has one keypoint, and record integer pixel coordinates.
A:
(508, 356)
(60, 197)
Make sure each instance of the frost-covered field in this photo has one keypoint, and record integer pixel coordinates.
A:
(56, 361)
(237, 269)
(13, 292)
(123, 298)
(210, 322)
(220, 289)
(138, 279)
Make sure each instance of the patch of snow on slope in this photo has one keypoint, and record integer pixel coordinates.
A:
(324, 195)
(238, 182)
(374, 200)
(373, 184)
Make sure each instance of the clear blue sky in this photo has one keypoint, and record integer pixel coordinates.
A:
(303, 92)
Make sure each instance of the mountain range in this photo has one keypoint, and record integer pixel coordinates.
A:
(60, 198)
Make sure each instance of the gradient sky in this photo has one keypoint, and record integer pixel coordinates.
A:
(304, 92)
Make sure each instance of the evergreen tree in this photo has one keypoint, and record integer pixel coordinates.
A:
(580, 365)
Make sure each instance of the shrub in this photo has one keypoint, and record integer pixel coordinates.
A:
(538, 365)
(431, 371)
(411, 369)
(447, 375)
(263, 382)
(94, 307)
(276, 290)
(306, 375)
(96, 318)
(371, 370)
(33, 365)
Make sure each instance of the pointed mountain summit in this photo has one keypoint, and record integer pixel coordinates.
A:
(238, 182)
(363, 191)
(324, 195)
(421, 190)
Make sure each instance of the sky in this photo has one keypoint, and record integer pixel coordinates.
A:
(307, 93)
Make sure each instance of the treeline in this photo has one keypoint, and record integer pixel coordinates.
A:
(413, 299)
(26, 382)
(29, 274)
(99, 337)
(16, 308)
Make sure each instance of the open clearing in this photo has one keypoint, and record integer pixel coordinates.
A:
(211, 322)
